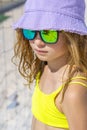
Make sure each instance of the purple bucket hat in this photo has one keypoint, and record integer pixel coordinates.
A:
(67, 15)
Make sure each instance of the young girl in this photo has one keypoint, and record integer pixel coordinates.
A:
(52, 49)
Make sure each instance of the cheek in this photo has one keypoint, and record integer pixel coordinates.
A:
(59, 49)
(56, 47)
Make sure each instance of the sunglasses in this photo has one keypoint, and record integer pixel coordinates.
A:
(47, 36)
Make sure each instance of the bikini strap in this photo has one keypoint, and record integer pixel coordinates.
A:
(83, 84)
(79, 77)
(37, 78)
(79, 82)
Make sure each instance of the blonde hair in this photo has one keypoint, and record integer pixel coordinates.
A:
(77, 46)
(29, 65)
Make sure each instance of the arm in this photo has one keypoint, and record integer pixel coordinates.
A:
(75, 107)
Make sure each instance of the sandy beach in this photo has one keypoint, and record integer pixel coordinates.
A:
(15, 104)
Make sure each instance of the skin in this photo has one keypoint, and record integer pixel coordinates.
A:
(56, 57)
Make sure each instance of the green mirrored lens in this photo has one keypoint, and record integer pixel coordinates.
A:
(49, 36)
(29, 34)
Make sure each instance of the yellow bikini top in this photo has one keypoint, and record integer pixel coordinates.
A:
(44, 108)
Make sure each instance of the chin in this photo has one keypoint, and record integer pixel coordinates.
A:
(42, 58)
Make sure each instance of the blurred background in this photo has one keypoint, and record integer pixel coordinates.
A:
(15, 98)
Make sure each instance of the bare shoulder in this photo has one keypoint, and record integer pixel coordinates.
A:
(75, 105)
(77, 88)
(76, 92)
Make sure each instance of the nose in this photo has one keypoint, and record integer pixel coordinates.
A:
(38, 36)
(39, 41)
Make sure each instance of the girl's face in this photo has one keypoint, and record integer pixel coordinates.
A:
(49, 52)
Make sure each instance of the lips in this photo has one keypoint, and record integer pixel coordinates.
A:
(40, 51)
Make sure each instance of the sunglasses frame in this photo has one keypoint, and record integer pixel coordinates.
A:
(41, 36)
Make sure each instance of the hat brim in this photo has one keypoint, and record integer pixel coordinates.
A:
(39, 20)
